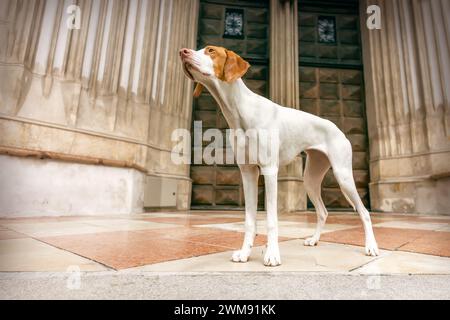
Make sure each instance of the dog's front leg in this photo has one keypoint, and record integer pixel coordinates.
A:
(272, 256)
(250, 174)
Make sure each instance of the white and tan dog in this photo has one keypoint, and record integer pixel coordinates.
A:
(220, 71)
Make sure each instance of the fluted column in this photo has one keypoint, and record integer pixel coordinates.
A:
(108, 93)
(284, 90)
(284, 53)
(407, 88)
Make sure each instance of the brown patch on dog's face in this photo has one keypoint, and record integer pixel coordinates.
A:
(198, 90)
(219, 56)
(228, 66)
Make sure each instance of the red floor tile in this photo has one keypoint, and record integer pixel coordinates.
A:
(193, 220)
(224, 238)
(120, 250)
(352, 220)
(435, 243)
(427, 220)
(213, 236)
(310, 218)
(387, 238)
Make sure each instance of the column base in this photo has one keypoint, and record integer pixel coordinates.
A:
(291, 196)
(43, 187)
(291, 193)
(430, 196)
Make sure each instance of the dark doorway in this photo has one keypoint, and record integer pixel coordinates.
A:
(331, 82)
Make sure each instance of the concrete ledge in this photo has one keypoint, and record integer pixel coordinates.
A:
(166, 285)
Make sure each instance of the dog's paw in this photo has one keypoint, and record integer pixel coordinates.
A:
(311, 241)
(240, 255)
(272, 257)
(372, 249)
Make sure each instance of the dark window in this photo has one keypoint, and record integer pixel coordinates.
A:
(326, 29)
(234, 24)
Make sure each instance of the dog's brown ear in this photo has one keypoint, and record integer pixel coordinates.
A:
(235, 67)
(198, 90)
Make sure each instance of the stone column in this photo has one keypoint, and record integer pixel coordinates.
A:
(171, 102)
(406, 66)
(284, 90)
(105, 95)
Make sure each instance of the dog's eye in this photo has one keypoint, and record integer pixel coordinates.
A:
(210, 50)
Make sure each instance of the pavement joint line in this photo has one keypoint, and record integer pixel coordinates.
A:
(389, 252)
(124, 272)
(74, 253)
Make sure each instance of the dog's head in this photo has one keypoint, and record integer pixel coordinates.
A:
(212, 63)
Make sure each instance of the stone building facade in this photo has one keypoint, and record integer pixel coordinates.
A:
(87, 112)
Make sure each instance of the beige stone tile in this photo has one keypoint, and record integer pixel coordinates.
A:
(261, 224)
(235, 226)
(304, 230)
(326, 257)
(83, 226)
(406, 263)
(159, 215)
(437, 217)
(240, 226)
(8, 234)
(192, 220)
(208, 214)
(413, 225)
(48, 229)
(32, 255)
(288, 229)
(445, 228)
(294, 231)
(223, 215)
(185, 215)
(335, 227)
(218, 212)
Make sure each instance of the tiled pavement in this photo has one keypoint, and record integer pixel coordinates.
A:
(203, 241)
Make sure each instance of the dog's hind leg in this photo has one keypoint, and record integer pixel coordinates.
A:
(340, 157)
(250, 176)
(317, 165)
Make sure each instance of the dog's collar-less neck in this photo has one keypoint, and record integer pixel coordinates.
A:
(230, 97)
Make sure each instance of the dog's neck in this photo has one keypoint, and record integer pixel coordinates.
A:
(232, 98)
